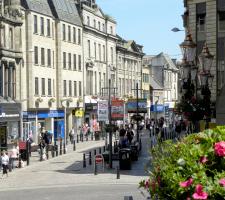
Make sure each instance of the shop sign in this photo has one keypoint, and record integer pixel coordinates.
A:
(79, 113)
(22, 145)
(132, 105)
(103, 108)
(44, 114)
(91, 107)
(10, 111)
(157, 108)
(117, 109)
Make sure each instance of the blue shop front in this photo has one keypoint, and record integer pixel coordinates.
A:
(36, 122)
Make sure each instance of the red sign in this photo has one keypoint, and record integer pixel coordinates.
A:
(22, 145)
(117, 109)
(98, 159)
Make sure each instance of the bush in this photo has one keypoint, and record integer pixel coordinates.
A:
(193, 168)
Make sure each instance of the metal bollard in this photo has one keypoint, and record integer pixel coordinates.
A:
(104, 148)
(60, 147)
(28, 153)
(53, 151)
(64, 147)
(41, 154)
(100, 150)
(47, 155)
(56, 150)
(95, 152)
(117, 172)
(84, 161)
(95, 169)
(74, 145)
(77, 138)
(90, 160)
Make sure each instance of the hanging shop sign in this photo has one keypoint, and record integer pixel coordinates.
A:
(117, 109)
(91, 107)
(79, 113)
(132, 106)
(103, 108)
(157, 108)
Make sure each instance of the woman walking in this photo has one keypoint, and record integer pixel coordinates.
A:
(5, 162)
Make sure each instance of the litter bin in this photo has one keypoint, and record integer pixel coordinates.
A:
(134, 152)
(125, 159)
(97, 135)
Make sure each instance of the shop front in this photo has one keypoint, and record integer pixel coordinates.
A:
(10, 118)
(51, 121)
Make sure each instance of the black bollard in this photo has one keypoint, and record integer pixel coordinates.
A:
(74, 145)
(95, 169)
(28, 153)
(41, 153)
(47, 155)
(95, 152)
(77, 138)
(84, 161)
(90, 160)
(100, 150)
(104, 148)
(117, 172)
(60, 147)
(56, 150)
(64, 147)
(53, 151)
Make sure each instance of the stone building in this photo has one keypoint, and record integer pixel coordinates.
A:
(99, 46)
(52, 69)
(10, 65)
(206, 22)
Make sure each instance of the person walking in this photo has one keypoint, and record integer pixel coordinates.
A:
(5, 162)
(13, 156)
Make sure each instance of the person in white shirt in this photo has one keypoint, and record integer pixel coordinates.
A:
(5, 162)
(14, 156)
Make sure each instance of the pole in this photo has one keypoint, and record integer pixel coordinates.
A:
(110, 128)
(137, 111)
(65, 127)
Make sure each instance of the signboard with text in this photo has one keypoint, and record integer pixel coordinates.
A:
(103, 110)
(132, 105)
(117, 109)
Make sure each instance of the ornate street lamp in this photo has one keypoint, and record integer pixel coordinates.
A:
(188, 48)
(205, 59)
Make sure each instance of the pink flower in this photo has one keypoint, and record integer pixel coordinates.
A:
(147, 184)
(203, 159)
(199, 194)
(186, 183)
(222, 182)
(219, 148)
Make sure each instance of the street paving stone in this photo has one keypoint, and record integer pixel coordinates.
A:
(67, 171)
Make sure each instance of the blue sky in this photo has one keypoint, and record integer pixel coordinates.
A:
(149, 23)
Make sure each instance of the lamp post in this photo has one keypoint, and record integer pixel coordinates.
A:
(68, 101)
(196, 78)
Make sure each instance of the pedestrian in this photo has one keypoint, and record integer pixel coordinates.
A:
(5, 163)
(72, 135)
(13, 156)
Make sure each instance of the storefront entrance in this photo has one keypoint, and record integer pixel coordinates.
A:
(3, 138)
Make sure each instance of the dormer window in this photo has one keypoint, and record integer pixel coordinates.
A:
(94, 22)
(88, 20)
(99, 26)
(111, 30)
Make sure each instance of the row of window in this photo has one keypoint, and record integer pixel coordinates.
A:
(99, 26)
(50, 83)
(101, 52)
(68, 64)
(50, 57)
(73, 34)
(69, 90)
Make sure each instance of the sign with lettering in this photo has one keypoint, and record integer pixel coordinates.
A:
(132, 106)
(117, 109)
(103, 109)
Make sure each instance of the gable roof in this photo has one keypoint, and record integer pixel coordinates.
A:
(66, 10)
(39, 6)
(154, 84)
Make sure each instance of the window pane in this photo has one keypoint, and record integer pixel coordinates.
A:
(49, 57)
(69, 34)
(74, 35)
(75, 88)
(79, 60)
(42, 26)
(70, 88)
(42, 56)
(36, 55)
(74, 62)
(48, 27)
(35, 23)
(69, 61)
(64, 88)
(80, 90)
(64, 31)
(36, 86)
(64, 60)
(79, 37)
(49, 86)
(43, 86)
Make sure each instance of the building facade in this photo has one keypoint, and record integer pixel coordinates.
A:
(99, 47)
(206, 22)
(52, 71)
(10, 64)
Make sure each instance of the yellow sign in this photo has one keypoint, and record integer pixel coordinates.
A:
(79, 113)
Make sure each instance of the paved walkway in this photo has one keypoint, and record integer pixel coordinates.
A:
(67, 170)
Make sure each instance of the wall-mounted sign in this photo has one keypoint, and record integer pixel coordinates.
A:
(157, 108)
(91, 107)
(132, 105)
(117, 109)
(103, 108)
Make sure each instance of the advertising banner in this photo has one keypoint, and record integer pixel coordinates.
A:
(103, 113)
(132, 105)
(117, 109)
